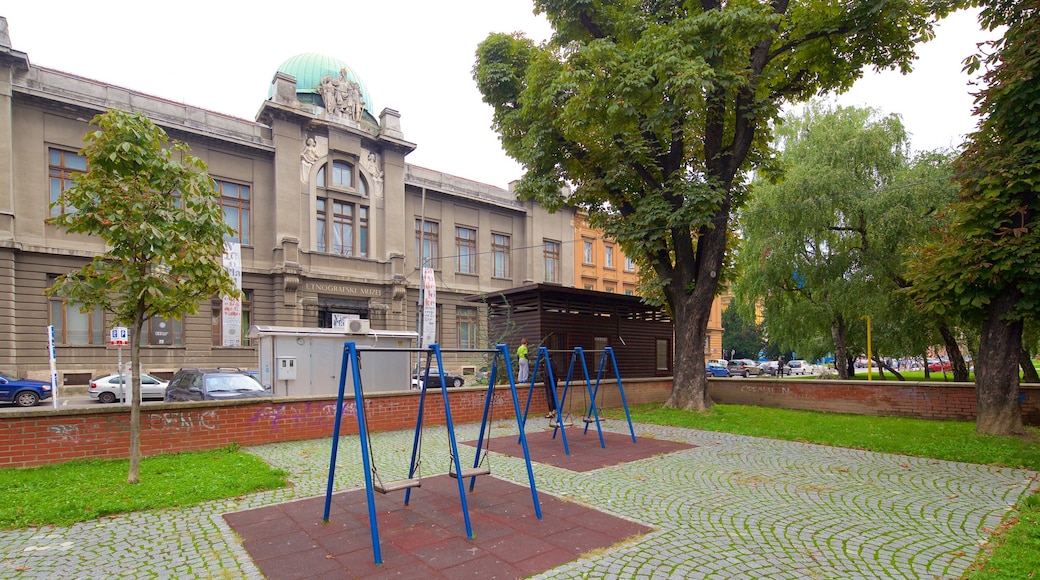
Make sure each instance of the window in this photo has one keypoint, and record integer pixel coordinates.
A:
(217, 324)
(500, 255)
(467, 326)
(163, 332)
(609, 288)
(340, 226)
(363, 231)
(629, 290)
(586, 256)
(608, 257)
(342, 174)
(551, 252)
(234, 198)
(74, 327)
(466, 250)
(630, 264)
(662, 354)
(64, 165)
(426, 244)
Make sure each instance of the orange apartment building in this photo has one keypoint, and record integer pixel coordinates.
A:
(600, 264)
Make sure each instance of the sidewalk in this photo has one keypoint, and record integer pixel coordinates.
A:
(729, 507)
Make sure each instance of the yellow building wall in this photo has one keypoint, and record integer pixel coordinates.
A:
(592, 272)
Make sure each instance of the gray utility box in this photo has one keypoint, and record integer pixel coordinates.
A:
(307, 361)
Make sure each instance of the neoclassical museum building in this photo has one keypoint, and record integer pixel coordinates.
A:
(332, 222)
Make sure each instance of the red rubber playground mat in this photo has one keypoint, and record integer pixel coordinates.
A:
(585, 451)
(426, 539)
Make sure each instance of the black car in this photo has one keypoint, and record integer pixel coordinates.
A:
(196, 384)
(435, 379)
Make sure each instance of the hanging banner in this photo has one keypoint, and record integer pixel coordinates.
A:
(231, 308)
(429, 308)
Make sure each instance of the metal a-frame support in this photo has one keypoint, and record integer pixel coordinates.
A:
(351, 362)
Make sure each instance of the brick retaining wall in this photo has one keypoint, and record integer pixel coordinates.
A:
(42, 436)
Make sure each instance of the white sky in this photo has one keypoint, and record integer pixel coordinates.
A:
(414, 56)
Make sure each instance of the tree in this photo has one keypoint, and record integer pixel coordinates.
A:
(655, 111)
(740, 335)
(160, 217)
(987, 265)
(826, 235)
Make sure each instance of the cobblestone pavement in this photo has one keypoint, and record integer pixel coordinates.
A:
(733, 507)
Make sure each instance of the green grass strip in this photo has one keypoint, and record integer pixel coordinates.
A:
(77, 491)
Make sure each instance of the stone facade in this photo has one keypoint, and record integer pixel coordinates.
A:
(322, 198)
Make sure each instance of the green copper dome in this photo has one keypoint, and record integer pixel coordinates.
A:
(309, 68)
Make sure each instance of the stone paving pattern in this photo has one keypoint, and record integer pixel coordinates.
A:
(731, 507)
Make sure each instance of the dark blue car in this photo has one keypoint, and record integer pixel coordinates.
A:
(23, 392)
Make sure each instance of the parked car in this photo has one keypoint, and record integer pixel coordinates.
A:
(939, 366)
(718, 361)
(435, 379)
(109, 388)
(768, 368)
(23, 392)
(715, 369)
(743, 367)
(220, 384)
(798, 367)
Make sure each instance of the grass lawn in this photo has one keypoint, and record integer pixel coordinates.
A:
(78, 491)
(1015, 551)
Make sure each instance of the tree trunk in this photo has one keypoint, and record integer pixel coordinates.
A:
(927, 373)
(690, 381)
(880, 366)
(953, 352)
(883, 365)
(1029, 374)
(850, 365)
(134, 473)
(996, 369)
(838, 331)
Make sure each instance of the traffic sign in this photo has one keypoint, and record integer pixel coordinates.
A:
(119, 336)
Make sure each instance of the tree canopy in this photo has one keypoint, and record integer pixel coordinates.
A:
(827, 235)
(157, 210)
(655, 111)
(986, 266)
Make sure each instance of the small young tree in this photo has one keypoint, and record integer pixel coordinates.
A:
(157, 210)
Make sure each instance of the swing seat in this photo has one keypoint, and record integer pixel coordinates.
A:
(472, 472)
(557, 424)
(589, 420)
(396, 485)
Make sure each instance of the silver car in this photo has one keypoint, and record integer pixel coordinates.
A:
(109, 388)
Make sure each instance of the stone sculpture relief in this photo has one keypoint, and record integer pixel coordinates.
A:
(313, 150)
(371, 164)
(342, 96)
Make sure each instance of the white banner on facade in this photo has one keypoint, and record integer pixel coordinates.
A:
(340, 320)
(54, 366)
(429, 311)
(231, 311)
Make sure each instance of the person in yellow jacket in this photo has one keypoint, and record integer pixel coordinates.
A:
(521, 359)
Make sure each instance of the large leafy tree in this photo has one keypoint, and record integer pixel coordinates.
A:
(157, 210)
(654, 112)
(826, 239)
(741, 335)
(987, 265)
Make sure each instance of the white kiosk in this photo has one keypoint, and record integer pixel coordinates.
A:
(297, 361)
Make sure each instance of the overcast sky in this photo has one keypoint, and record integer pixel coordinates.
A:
(414, 56)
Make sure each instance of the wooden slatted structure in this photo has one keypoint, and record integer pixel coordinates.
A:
(562, 318)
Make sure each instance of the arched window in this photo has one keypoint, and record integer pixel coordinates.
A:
(342, 174)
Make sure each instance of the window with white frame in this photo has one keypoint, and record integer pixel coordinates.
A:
(608, 256)
(587, 256)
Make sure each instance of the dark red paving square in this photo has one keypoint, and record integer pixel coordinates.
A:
(586, 454)
(426, 539)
